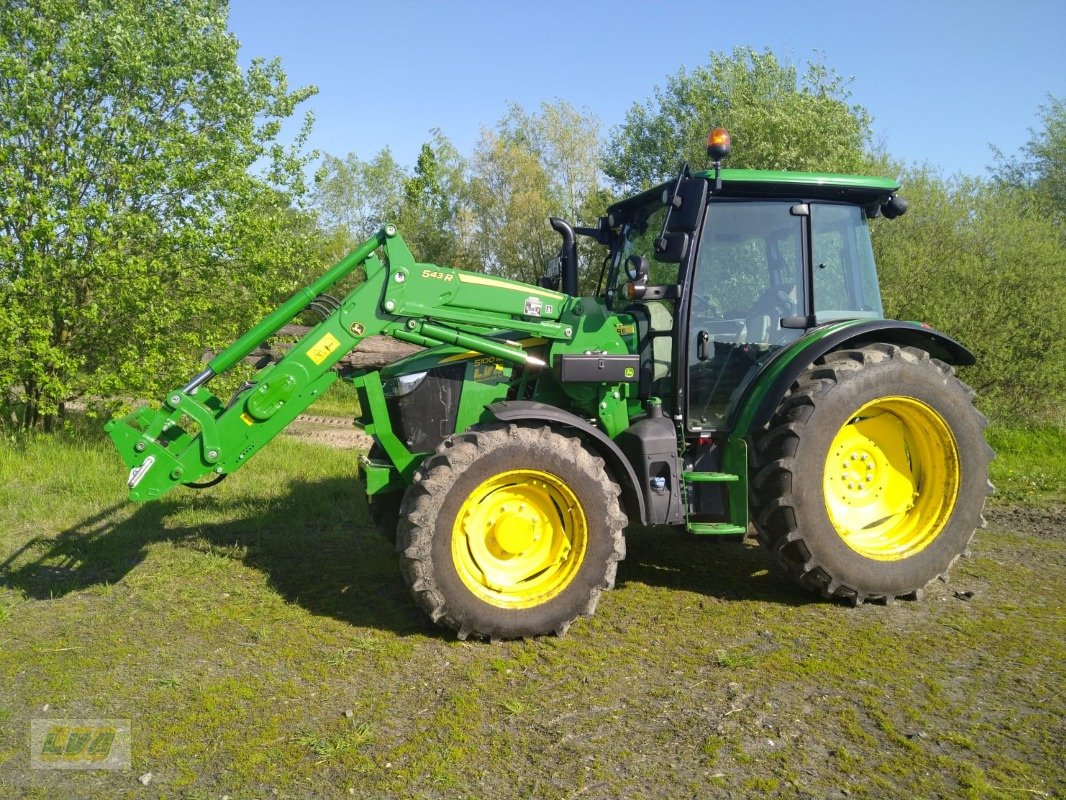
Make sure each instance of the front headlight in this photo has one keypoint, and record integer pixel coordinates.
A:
(402, 384)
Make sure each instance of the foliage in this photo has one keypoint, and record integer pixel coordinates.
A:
(127, 138)
(512, 200)
(1041, 165)
(531, 167)
(777, 119)
(988, 266)
(489, 212)
(354, 198)
(435, 217)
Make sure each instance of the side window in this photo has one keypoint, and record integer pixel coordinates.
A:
(640, 241)
(830, 284)
(845, 279)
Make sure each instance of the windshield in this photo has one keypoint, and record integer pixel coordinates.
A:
(638, 239)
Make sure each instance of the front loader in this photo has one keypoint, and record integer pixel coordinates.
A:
(733, 361)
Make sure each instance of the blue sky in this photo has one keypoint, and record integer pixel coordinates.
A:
(942, 78)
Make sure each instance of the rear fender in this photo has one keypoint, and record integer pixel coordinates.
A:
(764, 393)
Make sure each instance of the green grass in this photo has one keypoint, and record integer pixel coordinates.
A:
(340, 400)
(1030, 464)
(259, 636)
(329, 748)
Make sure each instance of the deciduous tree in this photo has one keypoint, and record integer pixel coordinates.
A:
(1041, 165)
(131, 214)
(986, 264)
(531, 167)
(778, 118)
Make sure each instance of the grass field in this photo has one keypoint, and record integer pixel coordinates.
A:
(260, 639)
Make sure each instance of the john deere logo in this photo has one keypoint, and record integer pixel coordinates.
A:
(80, 744)
(630, 372)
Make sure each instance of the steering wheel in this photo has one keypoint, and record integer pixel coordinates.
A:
(763, 319)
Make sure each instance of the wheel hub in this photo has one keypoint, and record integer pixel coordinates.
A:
(891, 478)
(858, 471)
(519, 538)
(515, 532)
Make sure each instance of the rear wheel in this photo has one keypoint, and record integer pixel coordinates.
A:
(872, 475)
(510, 531)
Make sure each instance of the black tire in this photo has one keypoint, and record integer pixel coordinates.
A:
(803, 475)
(469, 479)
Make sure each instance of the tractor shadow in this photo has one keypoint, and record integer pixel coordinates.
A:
(726, 570)
(314, 543)
(317, 548)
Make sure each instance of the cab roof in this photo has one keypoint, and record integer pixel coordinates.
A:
(861, 190)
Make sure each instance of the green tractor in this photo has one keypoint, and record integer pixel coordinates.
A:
(733, 358)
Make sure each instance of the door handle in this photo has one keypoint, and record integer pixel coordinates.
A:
(702, 338)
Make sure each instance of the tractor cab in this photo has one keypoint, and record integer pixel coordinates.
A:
(726, 268)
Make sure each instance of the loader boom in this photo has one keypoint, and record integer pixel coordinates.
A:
(196, 436)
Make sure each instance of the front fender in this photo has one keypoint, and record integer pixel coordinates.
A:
(754, 408)
(526, 411)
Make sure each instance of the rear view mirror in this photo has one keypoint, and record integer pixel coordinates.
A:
(637, 268)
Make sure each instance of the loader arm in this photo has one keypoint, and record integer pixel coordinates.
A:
(196, 437)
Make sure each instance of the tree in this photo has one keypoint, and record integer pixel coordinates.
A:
(435, 215)
(985, 264)
(777, 120)
(354, 198)
(512, 201)
(533, 166)
(1041, 165)
(128, 135)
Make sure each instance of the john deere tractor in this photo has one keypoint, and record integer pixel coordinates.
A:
(733, 361)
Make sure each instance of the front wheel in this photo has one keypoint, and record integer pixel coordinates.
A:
(510, 531)
(872, 476)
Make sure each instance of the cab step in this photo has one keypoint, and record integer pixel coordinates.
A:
(709, 477)
(716, 529)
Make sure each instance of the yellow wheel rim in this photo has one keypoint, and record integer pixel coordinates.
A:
(519, 538)
(891, 478)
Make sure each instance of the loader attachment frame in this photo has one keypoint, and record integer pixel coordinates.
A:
(195, 436)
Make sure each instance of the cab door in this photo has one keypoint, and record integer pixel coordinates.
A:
(747, 277)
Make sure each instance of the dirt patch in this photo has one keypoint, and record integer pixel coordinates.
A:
(337, 432)
(1047, 522)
